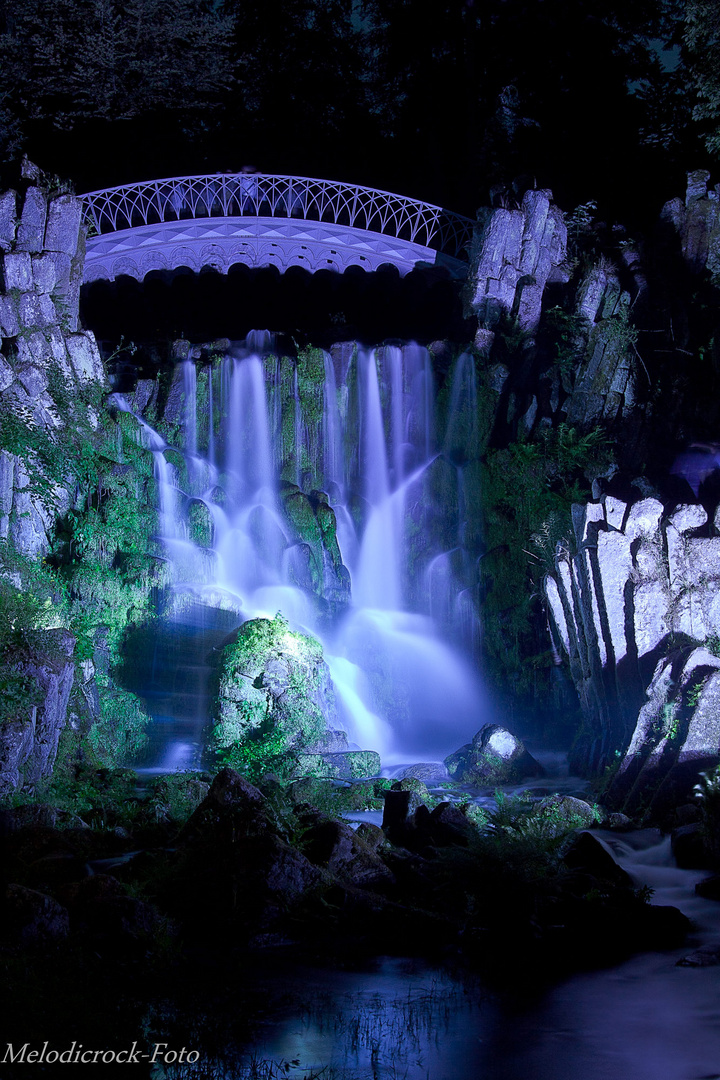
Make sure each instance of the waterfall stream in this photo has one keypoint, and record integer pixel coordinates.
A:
(260, 438)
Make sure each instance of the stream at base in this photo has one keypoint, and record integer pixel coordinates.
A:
(645, 1019)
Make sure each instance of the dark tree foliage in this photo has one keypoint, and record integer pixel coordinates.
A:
(487, 90)
(459, 103)
(297, 101)
(83, 68)
(702, 37)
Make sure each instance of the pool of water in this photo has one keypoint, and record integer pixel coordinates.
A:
(645, 1019)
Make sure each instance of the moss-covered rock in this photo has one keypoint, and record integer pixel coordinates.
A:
(495, 756)
(339, 798)
(348, 764)
(274, 694)
(318, 565)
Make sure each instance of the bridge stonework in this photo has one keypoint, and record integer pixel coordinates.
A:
(265, 220)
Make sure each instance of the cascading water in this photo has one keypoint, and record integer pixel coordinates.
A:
(229, 506)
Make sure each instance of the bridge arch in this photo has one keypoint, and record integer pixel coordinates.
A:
(262, 219)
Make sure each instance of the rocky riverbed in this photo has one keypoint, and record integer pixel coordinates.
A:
(152, 896)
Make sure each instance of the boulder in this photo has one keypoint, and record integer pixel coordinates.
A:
(447, 825)
(399, 814)
(495, 756)
(689, 848)
(348, 765)
(101, 910)
(707, 956)
(430, 772)
(709, 888)
(619, 822)
(273, 682)
(32, 918)
(371, 834)
(231, 807)
(344, 853)
(564, 812)
(331, 742)
(588, 853)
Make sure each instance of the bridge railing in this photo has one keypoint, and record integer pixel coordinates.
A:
(255, 195)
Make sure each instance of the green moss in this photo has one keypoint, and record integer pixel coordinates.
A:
(334, 798)
(200, 526)
(311, 382)
(270, 683)
(31, 598)
(120, 733)
(568, 333)
(527, 490)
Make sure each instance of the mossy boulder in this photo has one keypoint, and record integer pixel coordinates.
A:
(274, 694)
(562, 813)
(339, 798)
(346, 765)
(495, 756)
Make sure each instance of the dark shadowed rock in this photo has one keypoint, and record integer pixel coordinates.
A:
(232, 807)
(285, 873)
(30, 745)
(399, 814)
(337, 847)
(448, 825)
(39, 814)
(230, 788)
(689, 849)
(588, 853)
(709, 888)
(32, 918)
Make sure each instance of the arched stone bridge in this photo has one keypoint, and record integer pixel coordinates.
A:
(260, 219)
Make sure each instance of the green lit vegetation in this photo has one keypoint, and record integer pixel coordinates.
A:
(270, 683)
(527, 490)
(97, 578)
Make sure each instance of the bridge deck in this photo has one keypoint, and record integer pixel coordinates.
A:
(261, 220)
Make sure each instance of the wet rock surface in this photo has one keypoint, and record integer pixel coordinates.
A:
(184, 901)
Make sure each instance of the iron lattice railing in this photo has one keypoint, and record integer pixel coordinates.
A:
(263, 195)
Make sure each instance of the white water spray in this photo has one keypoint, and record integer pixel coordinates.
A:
(402, 687)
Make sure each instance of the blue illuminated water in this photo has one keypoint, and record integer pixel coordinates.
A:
(645, 1019)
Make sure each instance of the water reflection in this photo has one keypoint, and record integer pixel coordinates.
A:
(645, 1019)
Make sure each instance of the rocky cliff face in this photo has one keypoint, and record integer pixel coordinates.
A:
(517, 253)
(62, 477)
(601, 352)
(48, 368)
(636, 610)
